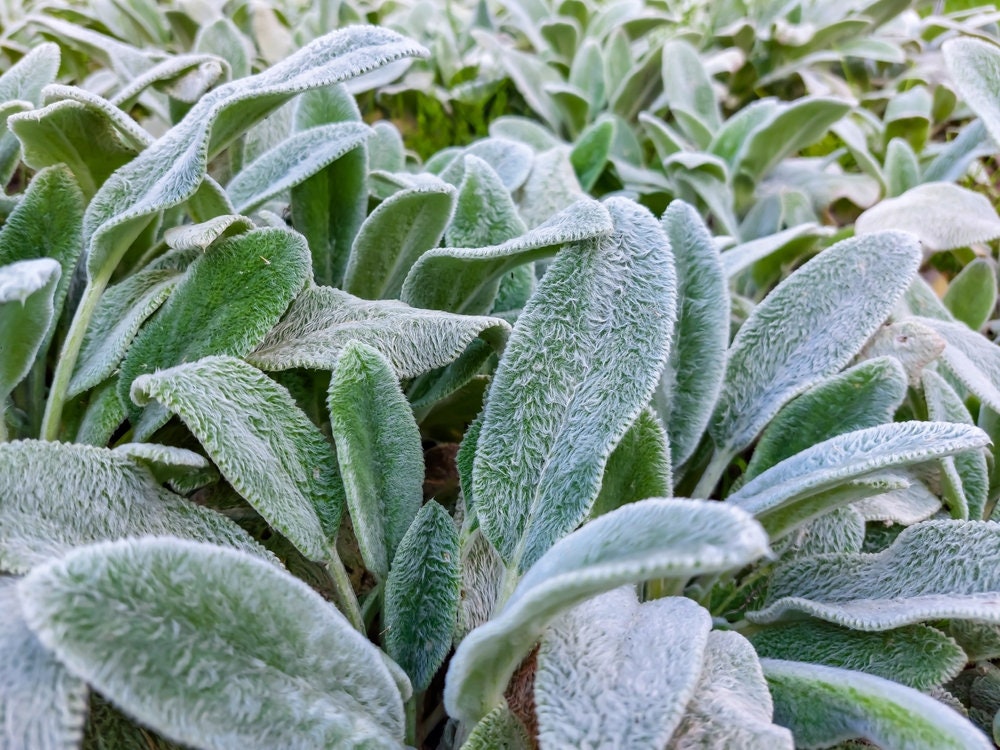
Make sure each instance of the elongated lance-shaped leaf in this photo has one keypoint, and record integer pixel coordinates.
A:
(732, 706)
(912, 343)
(120, 313)
(590, 153)
(638, 467)
(293, 161)
(692, 378)
(510, 159)
(785, 346)
(580, 365)
(183, 470)
(905, 506)
(612, 670)
(551, 187)
(866, 395)
(485, 213)
(974, 65)
(466, 280)
(935, 570)
(42, 705)
(190, 618)
(263, 444)
(102, 416)
(792, 492)
(322, 321)
(972, 359)
(202, 235)
(170, 171)
(23, 82)
(379, 452)
(26, 291)
(745, 254)
(824, 705)
(499, 728)
(654, 538)
(94, 495)
(687, 85)
(422, 595)
(403, 227)
(225, 304)
(916, 655)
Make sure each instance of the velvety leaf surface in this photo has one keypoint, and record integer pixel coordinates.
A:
(499, 728)
(378, 450)
(912, 343)
(614, 671)
(933, 570)
(785, 346)
(184, 470)
(551, 187)
(972, 359)
(23, 82)
(485, 213)
(580, 365)
(264, 445)
(654, 538)
(905, 506)
(972, 294)
(94, 495)
(191, 619)
(322, 320)
(974, 65)
(422, 595)
(639, 466)
(824, 705)
(26, 291)
(41, 704)
(104, 413)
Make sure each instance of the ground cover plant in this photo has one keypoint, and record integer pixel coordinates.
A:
(655, 404)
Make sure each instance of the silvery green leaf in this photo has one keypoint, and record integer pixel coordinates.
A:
(639, 87)
(23, 82)
(910, 342)
(171, 169)
(590, 153)
(979, 640)
(499, 728)
(905, 506)
(131, 132)
(943, 216)
(190, 617)
(916, 655)
(794, 491)
(202, 235)
(666, 538)
(784, 347)
(26, 311)
(902, 169)
(103, 415)
(691, 380)
(840, 530)
(263, 444)
(184, 77)
(921, 299)
(378, 450)
(183, 470)
(466, 280)
(665, 139)
(614, 671)
(638, 467)
(510, 159)
(732, 706)
(422, 595)
(293, 161)
(528, 73)
(972, 359)
(587, 73)
(322, 320)
(221, 37)
(387, 150)
(482, 576)
(42, 706)
(974, 65)
(485, 213)
(580, 365)
(972, 294)
(123, 308)
(523, 130)
(225, 304)
(688, 86)
(551, 187)
(954, 159)
(93, 495)
(744, 255)
(403, 227)
(865, 395)
(934, 570)
(824, 705)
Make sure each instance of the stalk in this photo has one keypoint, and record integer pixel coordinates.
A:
(347, 600)
(713, 473)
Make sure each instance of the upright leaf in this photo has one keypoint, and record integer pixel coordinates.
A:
(974, 65)
(972, 294)
(23, 82)
(972, 359)
(191, 617)
(688, 87)
(581, 363)
(499, 728)
(26, 311)
(638, 467)
(485, 213)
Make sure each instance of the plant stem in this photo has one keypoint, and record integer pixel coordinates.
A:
(371, 605)
(411, 718)
(3, 423)
(347, 600)
(713, 473)
(660, 588)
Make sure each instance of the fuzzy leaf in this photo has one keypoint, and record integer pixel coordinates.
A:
(972, 359)
(485, 213)
(916, 655)
(785, 346)
(692, 378)
(974, 65)
(26, 311)
(654, 538)
(225, 304)
(422, 595)
(688, 86)
(905, 506)
(103, 415)
(551, 187)
(499, 729)
(933, 570)
(824, 705)
(943, 216)
(190, 618)
(912, 343)
(203, 235)
(23, 82)
(379, 452)
(972, 295)
(184, 470)
(466, 280)
(793, 491)
(263, 444)
(580, 365)
(95, 495)
(591, 151)
(612, 670)
(322, 321)
(639, 466)
(744, 255)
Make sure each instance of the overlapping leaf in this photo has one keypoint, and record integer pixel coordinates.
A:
(975, 67)
(26, 311)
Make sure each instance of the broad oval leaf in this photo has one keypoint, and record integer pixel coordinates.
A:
(23, 82)
(638, 467)
(378, 450)
(785, 346)
(612, 671)
(971, 358)
(824, 705)
(654, 538)
(93, 495)
(485, 213)
(26, 311)
(580, 365)
(974, 65)
(264, 445)
(195, 625)
(972, 295)
(322, 321)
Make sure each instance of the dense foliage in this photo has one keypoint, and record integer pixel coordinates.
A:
(594, 373)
